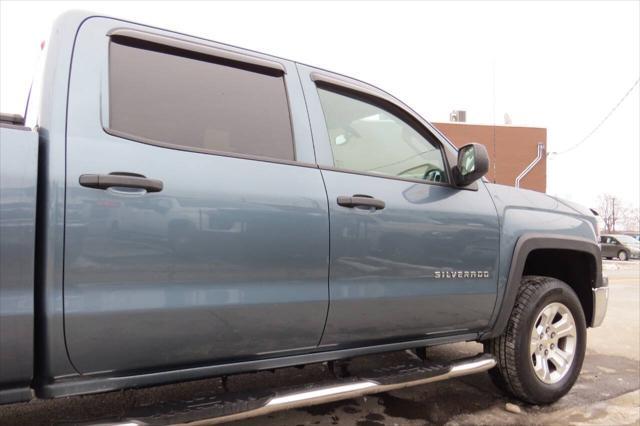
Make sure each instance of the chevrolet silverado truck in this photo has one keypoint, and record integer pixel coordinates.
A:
(174, 208)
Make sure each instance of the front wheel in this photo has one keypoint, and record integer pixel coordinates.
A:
(623, 256)
(542, 349)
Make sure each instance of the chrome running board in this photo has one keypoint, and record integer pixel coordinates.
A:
(234, 407)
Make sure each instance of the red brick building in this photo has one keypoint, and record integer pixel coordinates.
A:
(511, 149)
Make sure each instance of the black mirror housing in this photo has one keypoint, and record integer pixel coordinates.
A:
(473, 163)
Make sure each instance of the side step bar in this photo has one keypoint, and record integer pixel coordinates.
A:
(381, 380)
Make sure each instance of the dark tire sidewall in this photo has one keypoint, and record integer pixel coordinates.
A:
(551, 291)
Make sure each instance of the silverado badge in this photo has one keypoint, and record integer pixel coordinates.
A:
(461, 274)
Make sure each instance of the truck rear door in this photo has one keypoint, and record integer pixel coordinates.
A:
(196, 220)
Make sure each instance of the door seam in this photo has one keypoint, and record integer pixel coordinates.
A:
(326, 193)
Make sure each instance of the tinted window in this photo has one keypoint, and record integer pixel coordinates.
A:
(367, 138)
(197, 104)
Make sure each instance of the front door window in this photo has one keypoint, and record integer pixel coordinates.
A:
(370, 139)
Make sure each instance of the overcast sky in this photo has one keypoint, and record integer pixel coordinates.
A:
(557, 65)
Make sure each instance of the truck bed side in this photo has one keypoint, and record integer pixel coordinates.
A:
(18, 180)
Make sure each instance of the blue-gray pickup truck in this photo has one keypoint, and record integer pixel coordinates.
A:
(174, 208)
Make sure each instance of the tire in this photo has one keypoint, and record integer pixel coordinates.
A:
(623, 256)
(521, 373)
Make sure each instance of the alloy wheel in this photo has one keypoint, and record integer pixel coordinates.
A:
(553, 343)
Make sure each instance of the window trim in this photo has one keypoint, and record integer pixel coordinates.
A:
(173, 45)
(389, 105)
(160, 144)
(218, 56)
(380, 175)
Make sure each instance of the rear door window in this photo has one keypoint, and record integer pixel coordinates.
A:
(197, 103)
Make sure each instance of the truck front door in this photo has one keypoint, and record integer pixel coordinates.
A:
(412, 256)
(196, 228)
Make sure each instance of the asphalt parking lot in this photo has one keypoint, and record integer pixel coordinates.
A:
(606, 393)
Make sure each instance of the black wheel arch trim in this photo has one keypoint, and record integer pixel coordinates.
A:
(524, 246)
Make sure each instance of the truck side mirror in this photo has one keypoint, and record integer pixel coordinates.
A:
(473, 163)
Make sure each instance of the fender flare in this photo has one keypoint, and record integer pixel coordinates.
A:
(524, 246)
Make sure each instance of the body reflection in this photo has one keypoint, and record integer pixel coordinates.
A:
(194, 276)
(384, 263)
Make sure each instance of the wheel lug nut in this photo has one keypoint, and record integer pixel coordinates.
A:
(546, 352)
(553, 335)
(552, 346)
(548, 329)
